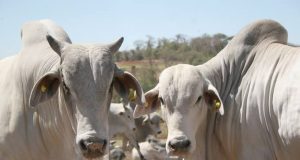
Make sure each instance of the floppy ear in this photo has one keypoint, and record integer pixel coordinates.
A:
(152, 103)
(44, 88)
(213, 99)
(125, 83)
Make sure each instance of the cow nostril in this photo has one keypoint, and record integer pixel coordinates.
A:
(159, 132)
(82, 145)
(104, 141)
(171, 145)
(133, 129)
(186, 143)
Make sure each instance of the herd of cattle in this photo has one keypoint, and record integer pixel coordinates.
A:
(243, 104)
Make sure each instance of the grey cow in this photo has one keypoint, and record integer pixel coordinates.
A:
(55, 95)
(242, 104)
(152, 149)
(121, 122)
(147, 125)
(115, 154)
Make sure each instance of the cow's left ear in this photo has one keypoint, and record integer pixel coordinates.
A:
(44, 88)
(152, 103)
(128, 87)
(213, 99)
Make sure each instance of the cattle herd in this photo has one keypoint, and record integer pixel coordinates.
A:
(242, 104)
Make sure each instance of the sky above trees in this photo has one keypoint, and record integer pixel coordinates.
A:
(105, 21)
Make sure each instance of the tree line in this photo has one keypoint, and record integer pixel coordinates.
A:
(157, 54)
(178, 49)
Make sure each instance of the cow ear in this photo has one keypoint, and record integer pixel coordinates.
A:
(152, 103)
(56, 45)
(44, 88)
(128, 87)
(213, 99)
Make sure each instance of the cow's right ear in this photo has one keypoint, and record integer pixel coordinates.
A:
(44, 88)
(152, 103)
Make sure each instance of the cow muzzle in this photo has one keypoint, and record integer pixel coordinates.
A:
(179, 146)
(93, 147)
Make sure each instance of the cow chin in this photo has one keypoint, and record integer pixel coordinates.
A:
(182, 154)
(92, 155)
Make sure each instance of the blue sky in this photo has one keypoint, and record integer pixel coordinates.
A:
(105, 21)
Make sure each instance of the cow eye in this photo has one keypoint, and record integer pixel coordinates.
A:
(199, 99)
(128, 117)
(65, 88)
(151, 122)
(161, 101)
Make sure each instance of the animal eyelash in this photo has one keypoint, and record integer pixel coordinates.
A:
(199, 99)
(65, 88)
(161, 101)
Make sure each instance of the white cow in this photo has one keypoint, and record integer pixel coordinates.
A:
(115, 153)
(121, 122)
(152, 148)
(147, 125)
(55, 96)
(242, 104)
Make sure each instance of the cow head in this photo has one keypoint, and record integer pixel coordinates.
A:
(185, 98)
(153, 120)
(85, 78)
(125, 115)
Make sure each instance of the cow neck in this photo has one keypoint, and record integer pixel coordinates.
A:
(49, 118)
(226, 71)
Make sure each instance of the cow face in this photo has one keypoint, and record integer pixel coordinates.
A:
(85, 78)
(153, 120)
(126, 116)
(185, 97)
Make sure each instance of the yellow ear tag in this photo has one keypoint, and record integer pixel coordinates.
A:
(43, 88)
(146, 104)
(217, 104)
(132, 95)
